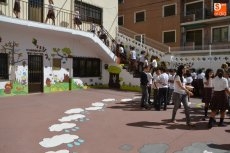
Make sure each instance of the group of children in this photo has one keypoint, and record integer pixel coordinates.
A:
(175, 86)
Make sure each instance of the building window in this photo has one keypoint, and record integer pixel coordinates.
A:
(4, 71)
(220, 34)
(169, 10)
(121, 20)
(169, 36)
(140, 38)
(195, 8)
(86, 67)
(140, 16)
(89, 13)
(2, 1)
(56, 63)
(120, 1)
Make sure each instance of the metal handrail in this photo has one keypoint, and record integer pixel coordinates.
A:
(148, 41)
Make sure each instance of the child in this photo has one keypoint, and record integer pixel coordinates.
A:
(50, 14)
(77, 20)
(17, 8)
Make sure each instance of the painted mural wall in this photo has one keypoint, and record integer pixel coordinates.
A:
(23, 41)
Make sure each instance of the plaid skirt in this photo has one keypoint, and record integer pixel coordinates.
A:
(16, 6)
(77, 21)
(219, 101)
(51, 14)
(207, 95)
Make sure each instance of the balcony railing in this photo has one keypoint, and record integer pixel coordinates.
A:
(147, 41)
(191, 48)
(37, 12)
(199, 14)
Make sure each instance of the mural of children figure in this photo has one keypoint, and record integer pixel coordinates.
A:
(77, 21)
(17, 8)
(50, 14)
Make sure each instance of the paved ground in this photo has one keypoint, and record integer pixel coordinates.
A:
(102, 121)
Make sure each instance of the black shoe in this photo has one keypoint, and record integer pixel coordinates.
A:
(204, 118)
(211, 122)
(147, 107)
(222, 124)
(190, 125)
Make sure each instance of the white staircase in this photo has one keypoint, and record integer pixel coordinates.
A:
(211, 56)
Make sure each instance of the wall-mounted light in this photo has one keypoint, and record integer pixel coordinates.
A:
(106, 66)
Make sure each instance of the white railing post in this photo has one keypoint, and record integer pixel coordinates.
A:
(210, 55)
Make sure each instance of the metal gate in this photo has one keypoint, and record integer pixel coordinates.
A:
(35, 73)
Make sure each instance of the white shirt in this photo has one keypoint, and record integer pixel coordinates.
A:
(146, 63)
(142, 58)
(200, 76)
(150, 78)
(77, 14)
(163, 80)
(50, 7)
(209, 84)
(154, 63)
(133, 54)
(171, 78)
(189, 79)
(194, 75)
(155, 80)
(177, 89)
(220, 84)
(121, 49)
(228, 82)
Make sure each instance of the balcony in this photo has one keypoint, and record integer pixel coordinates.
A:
(37, 12)
(202, 15)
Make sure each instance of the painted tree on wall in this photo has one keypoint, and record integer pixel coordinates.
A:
(15, 55)
(63, 53)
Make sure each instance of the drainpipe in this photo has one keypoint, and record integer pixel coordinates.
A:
(210, 54)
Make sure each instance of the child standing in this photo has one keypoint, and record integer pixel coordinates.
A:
(77, 21)
(17, 8)
(50, 14)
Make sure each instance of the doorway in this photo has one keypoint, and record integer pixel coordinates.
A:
(35, 10)
(35, 73)
(195, 36)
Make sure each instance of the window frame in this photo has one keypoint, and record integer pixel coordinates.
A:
(121, 16)
(135, 16)
(191, 3)
(3, 1)
(219, 27)
(163, 10)
(57, 62)
(163, 36)
(121, 1)
(88, 12)
(4, 67)
(80, 67)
